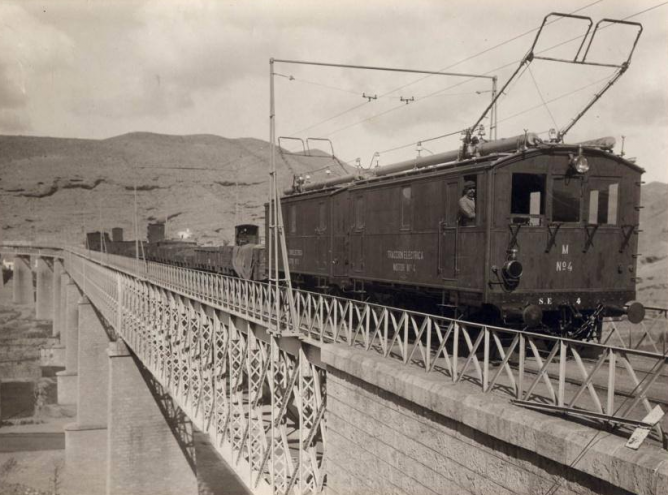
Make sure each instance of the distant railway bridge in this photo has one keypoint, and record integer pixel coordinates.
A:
(338, 396)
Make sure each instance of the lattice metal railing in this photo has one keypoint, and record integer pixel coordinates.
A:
(262, 406)
(617, 384)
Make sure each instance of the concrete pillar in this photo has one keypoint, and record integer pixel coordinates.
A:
(44, 306)
(144, 457)
(22, 279)
(72, 327)
(67, 380)
(86, 440)
(64, 280)
(57, 316)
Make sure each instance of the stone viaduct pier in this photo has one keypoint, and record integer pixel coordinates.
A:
(337, 396)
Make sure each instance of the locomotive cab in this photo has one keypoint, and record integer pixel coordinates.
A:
(563, 238)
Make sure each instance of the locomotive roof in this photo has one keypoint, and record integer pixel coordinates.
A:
(471, 165)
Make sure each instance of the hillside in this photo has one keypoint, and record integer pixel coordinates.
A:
(61, 188)
(653, 266)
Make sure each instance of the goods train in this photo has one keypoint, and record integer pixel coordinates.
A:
(551, 242)
(245, 259)
(515, 231)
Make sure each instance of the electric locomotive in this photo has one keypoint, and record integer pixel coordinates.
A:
(552, 245)
(514, 231)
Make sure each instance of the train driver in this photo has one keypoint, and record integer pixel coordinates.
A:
(467, 204)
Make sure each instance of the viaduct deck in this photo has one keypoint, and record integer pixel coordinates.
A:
(292, 402)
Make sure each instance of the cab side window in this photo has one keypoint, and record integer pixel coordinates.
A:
(566, 199)
(322, 216)
(527, 204)
(468, 201)
(359, 212)
(603, 200)
(406, 207)
(293, 219)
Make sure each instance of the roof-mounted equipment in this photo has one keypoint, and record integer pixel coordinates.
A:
(580, 58)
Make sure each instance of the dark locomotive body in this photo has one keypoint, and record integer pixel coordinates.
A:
(548, 246)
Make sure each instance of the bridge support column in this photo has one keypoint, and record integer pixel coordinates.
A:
(57, 281)
(44, 306)
(86, 440)
(144, 456)
(67, 380)
(64, 280)
(22, 279)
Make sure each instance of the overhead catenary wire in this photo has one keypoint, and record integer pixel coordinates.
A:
(522, 112)
(498, 45)
(493, 70)
(535, 83)
(363, 94)
(372, 68)
(327, 86)
(372, 117)
(383, 95)
(556, 98)
(392, 109)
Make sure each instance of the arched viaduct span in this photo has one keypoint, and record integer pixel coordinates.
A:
(349, 398)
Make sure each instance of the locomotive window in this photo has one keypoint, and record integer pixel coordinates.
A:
(468, 204)
(406, 200)
(527, 204)
(566, 197)
(323, 216)
(603, 205)
(613, 191)
(293, 219)
(359, 212)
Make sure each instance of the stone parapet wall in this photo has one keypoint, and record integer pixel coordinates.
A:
(395, 429)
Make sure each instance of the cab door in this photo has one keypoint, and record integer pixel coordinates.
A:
(357, 235)
(448, 230)
(340, 234)
(322, 239)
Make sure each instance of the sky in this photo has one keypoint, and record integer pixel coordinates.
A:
(97, 69)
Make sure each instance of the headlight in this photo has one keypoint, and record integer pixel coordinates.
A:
(512, 269)
(580, 163)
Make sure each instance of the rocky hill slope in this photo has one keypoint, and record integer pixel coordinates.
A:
(653, 266)
(61, 188)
